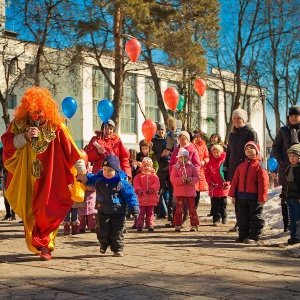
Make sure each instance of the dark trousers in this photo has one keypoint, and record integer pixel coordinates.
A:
(10, 214)
(285, 214)
(197, 198)
(165, 183)
(294, 213)
(110, 231)
(218, 208)
(249, 218)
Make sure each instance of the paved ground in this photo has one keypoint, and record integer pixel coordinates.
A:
(161, 265)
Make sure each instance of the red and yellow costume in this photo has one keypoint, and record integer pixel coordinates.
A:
(40, 174)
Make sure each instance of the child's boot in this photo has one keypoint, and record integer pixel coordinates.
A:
(92, 222)
(13, 216)
(66, 228)
(82, 223)
(75, 229)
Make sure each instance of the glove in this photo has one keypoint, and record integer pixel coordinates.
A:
(226, 185)
(135, 211)
(150, 191)
(189, 180)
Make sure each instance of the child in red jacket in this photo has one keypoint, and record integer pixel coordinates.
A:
(146, 186)
(218, 187)
(249, 189)
(184, 176)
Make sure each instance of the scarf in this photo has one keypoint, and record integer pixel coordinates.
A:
(290, 172)
(114, 179)
(294, 133)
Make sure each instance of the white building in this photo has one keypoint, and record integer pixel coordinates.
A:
(87, 85)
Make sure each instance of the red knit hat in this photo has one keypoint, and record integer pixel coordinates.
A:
(255, 145)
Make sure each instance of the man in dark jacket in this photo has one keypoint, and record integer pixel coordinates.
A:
(162, 155)
(286, 137)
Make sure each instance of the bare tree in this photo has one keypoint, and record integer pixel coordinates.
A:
(11, 50)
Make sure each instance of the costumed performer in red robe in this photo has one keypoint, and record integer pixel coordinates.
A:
(42, 160)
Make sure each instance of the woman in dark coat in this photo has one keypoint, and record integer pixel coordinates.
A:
(286, 137)
(242, 133)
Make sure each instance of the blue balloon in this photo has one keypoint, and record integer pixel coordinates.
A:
(272, 164)
(69, 107)
(105, 110)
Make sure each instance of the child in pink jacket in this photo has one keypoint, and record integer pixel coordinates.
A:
(146, 185)
(218, 187)
(184, 176)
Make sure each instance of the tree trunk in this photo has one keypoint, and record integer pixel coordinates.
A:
(160, 100)
(6, 116)
(276, 102)
(119, 66)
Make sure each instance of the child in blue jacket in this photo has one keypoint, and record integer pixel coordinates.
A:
(113, 193)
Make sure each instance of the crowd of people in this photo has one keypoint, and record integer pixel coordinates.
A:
(163, 179)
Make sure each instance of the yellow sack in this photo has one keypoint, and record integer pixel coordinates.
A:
(77, 189)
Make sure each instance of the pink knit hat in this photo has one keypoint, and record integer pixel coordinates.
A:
(183, 152)
(255, 145)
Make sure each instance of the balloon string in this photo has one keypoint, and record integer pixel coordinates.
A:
(70, 128)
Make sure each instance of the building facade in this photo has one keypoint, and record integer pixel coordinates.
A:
(87, 85)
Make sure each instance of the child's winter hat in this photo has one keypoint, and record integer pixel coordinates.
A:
(160, 125)
(183, 152)
(112, 161)
(294, 110)
(255, 145)
(179, 124)
(145, 143)
(108, 123)
(171, 123)
(241, 113)
(186, 134)
(217, 147)
(147, 160)
(295, 149)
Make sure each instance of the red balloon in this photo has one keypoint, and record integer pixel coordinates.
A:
(171, 97)
(149, 129)
(85, 156)
(200, 86)
(133, 49)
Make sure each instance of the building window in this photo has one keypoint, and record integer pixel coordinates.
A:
(212, 110)
(30, 70)
(12, 101)
(228, 105)
(151, 106)
(10, 67)
(196, 108)
(101, 90)
(128, 109)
